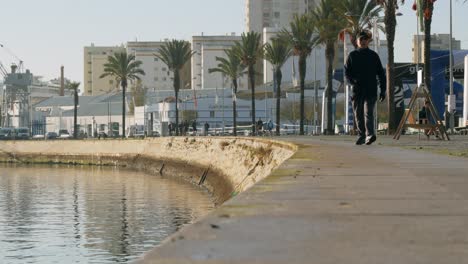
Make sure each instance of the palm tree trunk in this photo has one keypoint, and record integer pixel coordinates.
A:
(390, 24)
(278, 78)
(330, 54)
(251, 73)
(75, 115)
(302, 74)
(124, 87)
(234, 108)
(427, 44)
(176, 91)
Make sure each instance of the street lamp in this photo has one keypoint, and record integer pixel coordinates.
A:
(451, 101)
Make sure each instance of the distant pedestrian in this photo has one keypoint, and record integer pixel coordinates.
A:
(207, 127)
(259, 126)
(171, 128)
(270, 126)
(363, 68)
(194, 126)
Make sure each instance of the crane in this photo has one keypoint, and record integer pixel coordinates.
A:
(3, 71)
(20, 62)
(16, 94)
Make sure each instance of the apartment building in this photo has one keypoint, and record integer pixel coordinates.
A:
(206, 49)
(438, 42)
(157, 74)
(94, 60)
(274, 13)
(315, 64)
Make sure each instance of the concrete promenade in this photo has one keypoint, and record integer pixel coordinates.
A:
(334, 202)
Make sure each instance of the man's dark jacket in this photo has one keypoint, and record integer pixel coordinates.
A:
(362, 69)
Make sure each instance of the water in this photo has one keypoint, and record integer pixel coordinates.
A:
(89, 214)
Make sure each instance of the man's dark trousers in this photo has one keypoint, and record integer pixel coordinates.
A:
(363, 109)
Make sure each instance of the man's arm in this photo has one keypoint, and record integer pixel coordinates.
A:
(381, 77)
(349, 72)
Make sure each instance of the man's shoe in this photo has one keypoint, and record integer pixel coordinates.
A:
(361, 140)
(370, 139)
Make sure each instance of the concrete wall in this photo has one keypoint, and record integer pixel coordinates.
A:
(230, 165)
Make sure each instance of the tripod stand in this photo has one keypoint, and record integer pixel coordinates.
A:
(436, 126)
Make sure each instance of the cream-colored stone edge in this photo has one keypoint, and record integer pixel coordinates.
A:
(231, 165)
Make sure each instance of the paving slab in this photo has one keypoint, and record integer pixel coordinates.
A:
(334, 202)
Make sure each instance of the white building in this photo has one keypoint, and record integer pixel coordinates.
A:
(315, 64)
(157, 74)
(206, 49)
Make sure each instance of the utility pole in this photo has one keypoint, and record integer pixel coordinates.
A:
(451, 100)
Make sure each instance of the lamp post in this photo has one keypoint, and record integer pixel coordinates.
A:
(345, 83)
(451, 101)
(315, 93)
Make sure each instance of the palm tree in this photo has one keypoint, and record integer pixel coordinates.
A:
(329, 22)
(123, 67)
(390, 7)
(234, 69)
(74, 87)
(175, 54)
(425, 11)
(249, 50)
(277, 53)
(299, 36)
(360, 15)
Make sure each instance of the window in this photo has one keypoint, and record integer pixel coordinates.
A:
(156, 59)
(212, 114)
(277, 14)
(164, 78)
(156, 68)
(104, 53)
(163, 69)
(156, 79)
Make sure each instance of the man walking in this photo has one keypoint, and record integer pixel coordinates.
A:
(362, 69)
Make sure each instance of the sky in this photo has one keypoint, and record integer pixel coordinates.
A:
(46, 34)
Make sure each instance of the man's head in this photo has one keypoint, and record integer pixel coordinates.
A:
(363, 39)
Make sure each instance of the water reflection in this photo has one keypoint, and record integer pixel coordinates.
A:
(90, 214)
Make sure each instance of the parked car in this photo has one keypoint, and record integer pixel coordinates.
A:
(7, 133)
(38, 136)
(51, 135)
(22, 133)
(63, 134)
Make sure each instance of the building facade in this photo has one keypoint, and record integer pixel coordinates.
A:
(274, 13)
(94, 59)
(315, 71)
(157, 74)
(438, 42)
(206, 49)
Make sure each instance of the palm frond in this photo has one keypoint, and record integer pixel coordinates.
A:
(277, 52)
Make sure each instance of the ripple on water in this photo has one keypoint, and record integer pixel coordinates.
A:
(89, 215)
